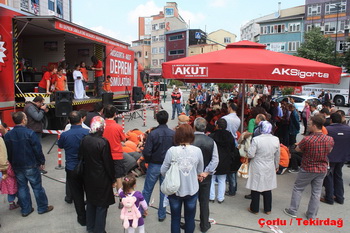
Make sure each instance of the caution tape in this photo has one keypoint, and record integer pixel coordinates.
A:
(33, 95)
(47, 131)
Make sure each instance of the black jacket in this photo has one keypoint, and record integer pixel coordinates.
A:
(226, 148)
(99, 174)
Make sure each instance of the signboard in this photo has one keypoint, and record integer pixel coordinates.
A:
(198, 35)
(120, 66)
(87, 34)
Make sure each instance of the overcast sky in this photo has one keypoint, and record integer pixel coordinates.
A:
(118, 18)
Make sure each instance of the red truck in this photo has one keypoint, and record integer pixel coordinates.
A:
(30, 44)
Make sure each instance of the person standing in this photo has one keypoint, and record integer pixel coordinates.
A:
(98, 111)
(233, 123)
(35, 112)
(226, 149)
(70, 142)
(44, 85)
(340, 154)
(114, 134)
(158, 142)
(60, 80)
(314, 164)
(264, 153)
(305, 115)
(79, 92)
(294, 125)
(98, 68)
(176, 102)
(99, 177)
(190, 162)
(26, 160)
(211, 160)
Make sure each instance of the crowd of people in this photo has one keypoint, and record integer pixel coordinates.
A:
(102, 162)
(55, 79)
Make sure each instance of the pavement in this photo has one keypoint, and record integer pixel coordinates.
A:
(230, 216)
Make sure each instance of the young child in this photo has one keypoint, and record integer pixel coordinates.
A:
(107, 84)
(129, 184)
(8, 186)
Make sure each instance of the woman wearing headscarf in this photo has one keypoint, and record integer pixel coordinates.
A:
(98, 176)
(264, 153)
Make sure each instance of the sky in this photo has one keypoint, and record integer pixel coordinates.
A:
(119, 18)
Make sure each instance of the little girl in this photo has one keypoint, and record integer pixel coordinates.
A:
(129, 184)
(8, 185)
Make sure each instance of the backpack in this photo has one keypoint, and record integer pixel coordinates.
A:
(130, 211)
(171, 182)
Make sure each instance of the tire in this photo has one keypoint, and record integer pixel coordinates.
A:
(339, 101)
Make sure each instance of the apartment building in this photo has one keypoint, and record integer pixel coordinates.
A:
(58, 8)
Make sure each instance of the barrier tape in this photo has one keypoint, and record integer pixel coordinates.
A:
(144, 117)
(123, 122)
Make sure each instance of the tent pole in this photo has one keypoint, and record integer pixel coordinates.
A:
(243, 104)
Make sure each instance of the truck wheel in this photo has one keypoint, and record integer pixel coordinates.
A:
(339, 101)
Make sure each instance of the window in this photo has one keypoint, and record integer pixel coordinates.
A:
(161, 25)
(169, 12)
(161, 61)
(293, 45)
(154, 62)
(294, 27)
(146, 42)
(311, 26)
(51, 5)
(333, 8)
(227, 40)
(314, 10)
(161, 49)
(277, 46)
(154, 39)
(154, 50)
(176, 37)
(155, 27)
(146, 54)
(176, 52)
(161, 37)
(31, 6)
(59, 7)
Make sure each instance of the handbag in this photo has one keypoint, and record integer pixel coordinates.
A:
(243, 170)
(171, 182)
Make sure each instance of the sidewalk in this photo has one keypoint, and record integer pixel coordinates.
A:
(231, 216)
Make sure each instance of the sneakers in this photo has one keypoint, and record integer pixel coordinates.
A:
(49, 208)
(289, 213)
(13, 206)
(293, 170)
(230, 195)
(283, 171)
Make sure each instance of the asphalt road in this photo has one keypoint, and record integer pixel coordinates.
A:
(231, 216)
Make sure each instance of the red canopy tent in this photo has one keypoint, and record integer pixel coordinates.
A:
(249, 62)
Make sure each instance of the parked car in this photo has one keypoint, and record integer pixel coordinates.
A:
(299, 101)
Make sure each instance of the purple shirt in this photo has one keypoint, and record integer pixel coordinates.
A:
(140, 201)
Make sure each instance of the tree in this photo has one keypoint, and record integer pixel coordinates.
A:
(317, 47)
(347, 57)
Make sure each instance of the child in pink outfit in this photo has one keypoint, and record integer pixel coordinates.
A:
(8, 185)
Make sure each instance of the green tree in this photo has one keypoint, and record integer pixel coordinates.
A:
(287, 90)
(317, 47)
(346, 61)
(223, 86)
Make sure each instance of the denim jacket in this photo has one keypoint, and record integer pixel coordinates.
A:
(24, 148)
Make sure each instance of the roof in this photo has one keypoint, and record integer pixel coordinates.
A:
(300, 16)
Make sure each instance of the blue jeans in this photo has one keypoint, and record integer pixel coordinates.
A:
(221, 187)
(232, 183)
(34, 177)
(190, 203)
(153, 175)
(178, 109)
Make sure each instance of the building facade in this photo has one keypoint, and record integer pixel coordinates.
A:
(58, 8)
(178, 42)
(332, 16)
(251, 30)
(285, 33)
(153, 28)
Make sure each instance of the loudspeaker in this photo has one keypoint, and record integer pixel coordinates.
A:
(137, 94)
(107, 98)
(163, 87)
(63, 104)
